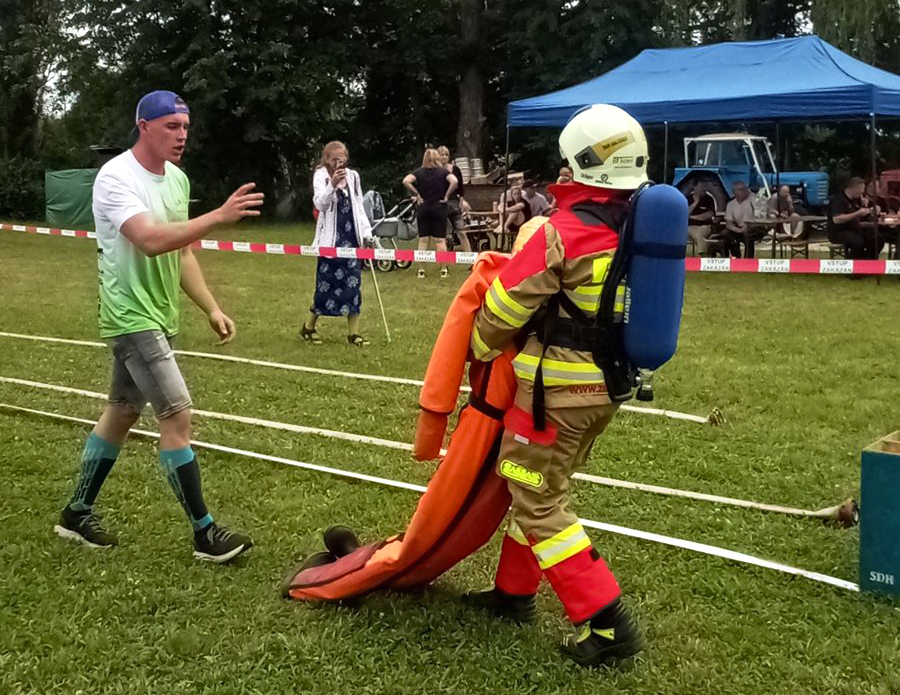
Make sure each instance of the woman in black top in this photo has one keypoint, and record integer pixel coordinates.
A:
(431, 186)
(457, 206)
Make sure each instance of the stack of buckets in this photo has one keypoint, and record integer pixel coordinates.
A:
(470, 168)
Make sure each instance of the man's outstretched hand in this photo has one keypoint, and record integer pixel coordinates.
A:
(241, 204)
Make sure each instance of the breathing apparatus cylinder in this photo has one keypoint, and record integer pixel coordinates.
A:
(655, 278)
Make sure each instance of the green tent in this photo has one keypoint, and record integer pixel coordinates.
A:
(68, 197)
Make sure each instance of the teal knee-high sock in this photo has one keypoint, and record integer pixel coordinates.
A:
(97, 460)
(183, 474)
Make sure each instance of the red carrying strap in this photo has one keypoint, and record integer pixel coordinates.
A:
(520, 422)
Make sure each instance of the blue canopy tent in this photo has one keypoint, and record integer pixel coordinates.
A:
(802, 77)
(783, 79)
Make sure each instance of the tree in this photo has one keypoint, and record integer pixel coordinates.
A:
(31, 41)
(548, 44)
(867, 29)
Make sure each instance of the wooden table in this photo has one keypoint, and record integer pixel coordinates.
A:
(771, 223)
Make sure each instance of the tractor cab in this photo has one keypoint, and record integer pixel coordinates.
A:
(722, 159)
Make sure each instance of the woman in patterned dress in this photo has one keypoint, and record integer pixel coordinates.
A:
(342, 222)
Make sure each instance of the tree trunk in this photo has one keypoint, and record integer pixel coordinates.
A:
(739, 19)
(471, 86)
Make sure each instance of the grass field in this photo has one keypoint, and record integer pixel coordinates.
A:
(805, 368)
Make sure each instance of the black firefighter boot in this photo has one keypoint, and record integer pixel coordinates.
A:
(610, 634)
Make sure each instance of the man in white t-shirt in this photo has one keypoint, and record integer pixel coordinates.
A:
(143, 236)
(739, 217)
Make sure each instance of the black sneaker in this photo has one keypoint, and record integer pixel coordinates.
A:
(519, 609)
(611, 634)
(84, 527)
(218, 544)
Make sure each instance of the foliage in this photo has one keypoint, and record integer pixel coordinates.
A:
(270, 82)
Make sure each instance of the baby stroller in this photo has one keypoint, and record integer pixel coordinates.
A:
(387, 227)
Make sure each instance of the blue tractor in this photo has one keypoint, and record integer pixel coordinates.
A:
(720, 160)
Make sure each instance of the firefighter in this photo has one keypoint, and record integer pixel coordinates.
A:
(561, 403)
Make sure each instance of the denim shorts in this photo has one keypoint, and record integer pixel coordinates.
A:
(144, 369)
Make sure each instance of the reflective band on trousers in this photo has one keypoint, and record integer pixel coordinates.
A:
(556, 372)
(505, 307)
(562, 546)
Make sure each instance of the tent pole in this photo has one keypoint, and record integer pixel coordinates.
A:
(874, 148)
(777, 183)
(666, 153)
(505, 188)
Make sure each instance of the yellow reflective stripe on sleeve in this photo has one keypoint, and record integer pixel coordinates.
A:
(562, 546)
(514, 531)
(504, 306)
(601, 269)
(481, 348)
(619, 306)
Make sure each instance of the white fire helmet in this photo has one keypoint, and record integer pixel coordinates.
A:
(605, 147)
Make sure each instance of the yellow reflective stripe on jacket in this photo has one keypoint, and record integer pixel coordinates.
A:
(514, 531)
(619, 306)
(562, 546)
(505, 307)
(557, 372)
(587, 298)
(600, 269)
(479, 347)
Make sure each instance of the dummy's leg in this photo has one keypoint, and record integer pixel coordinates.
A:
(517, 580)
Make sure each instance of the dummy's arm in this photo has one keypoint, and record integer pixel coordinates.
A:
(531, 277)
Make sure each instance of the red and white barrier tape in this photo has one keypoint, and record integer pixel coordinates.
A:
(837, 266)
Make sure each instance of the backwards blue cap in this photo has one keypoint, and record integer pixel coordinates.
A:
(159, 103)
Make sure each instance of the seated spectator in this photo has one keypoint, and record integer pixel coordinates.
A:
(781, 206)
(515, 212)
(739, 216)
(536, 201)
(702, 210)
(889, 204)
(845, 216)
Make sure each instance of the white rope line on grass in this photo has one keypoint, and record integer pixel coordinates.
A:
(403, 446)
(684, 544)
(230, 358)
(671, 414)
(271, 424)
(241, 452)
